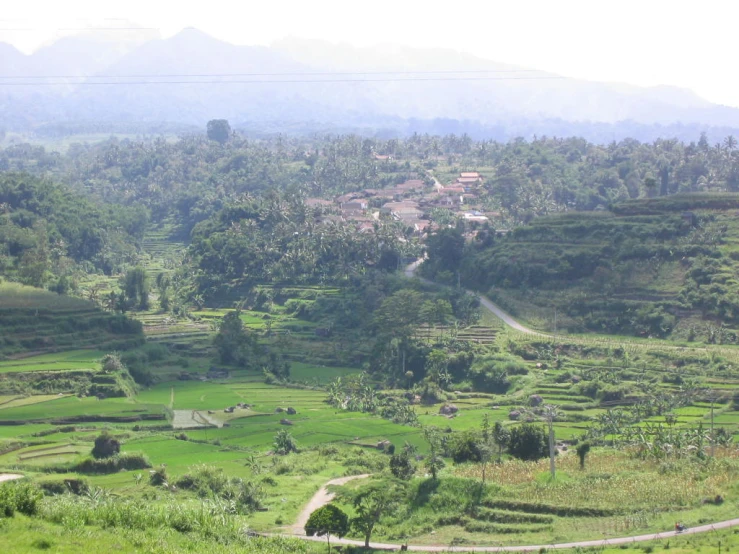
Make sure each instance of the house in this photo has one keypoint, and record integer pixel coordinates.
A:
(366, 227)
(411, 184)
(346, 198)
(314, 202)
(405, 206)
(469, 178)
(448, 201)
(453, 189)
(475, 216)
(422, 226)
(355, 205)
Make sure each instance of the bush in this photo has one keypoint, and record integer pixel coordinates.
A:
(401, 465)
(105, 446)
(126, 461)
(528, 442)
(465, 447)
(20, 497)
(158, 477)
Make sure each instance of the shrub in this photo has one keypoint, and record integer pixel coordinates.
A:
(20, 497)
(465, 447)
(528, 442)
(105, 446)
(158, 477)
(114, 464)
(401, 465)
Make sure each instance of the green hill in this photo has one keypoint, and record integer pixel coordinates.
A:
(655, 267)
(36, 320)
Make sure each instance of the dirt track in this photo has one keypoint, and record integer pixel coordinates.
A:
(320, 499)
(323, 497)
(9, 476)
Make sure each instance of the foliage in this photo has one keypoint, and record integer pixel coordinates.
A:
(528, 442)
(401, 465)
(20, 497)
(582, 449)
(285, 443)
(218, 130)
(371, 503)
(158, 477)
(126, 461)
(45, 229)
(211, 482)
(327, 520)
(105, 446)
(434, 461)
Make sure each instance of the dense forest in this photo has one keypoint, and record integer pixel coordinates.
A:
(46, 230)
(272, 212)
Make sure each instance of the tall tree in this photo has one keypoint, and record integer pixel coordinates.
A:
(328, 520)
(219, 130)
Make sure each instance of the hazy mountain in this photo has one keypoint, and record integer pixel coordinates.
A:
(287, 86)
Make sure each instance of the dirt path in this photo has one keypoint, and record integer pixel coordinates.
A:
(542, 547)
(320, 499)
(9, 476)
(323, 497)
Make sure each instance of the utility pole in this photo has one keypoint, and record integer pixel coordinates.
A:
(550, 414)
(713, 436)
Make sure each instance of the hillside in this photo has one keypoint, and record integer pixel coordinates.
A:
(36, 320)
(655, 267)
(192, 77)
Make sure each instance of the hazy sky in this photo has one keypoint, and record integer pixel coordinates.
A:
(642, 42)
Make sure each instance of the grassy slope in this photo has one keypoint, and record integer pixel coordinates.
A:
(595, 267)
(39, 321)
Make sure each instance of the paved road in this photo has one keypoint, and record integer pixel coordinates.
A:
(491, 306)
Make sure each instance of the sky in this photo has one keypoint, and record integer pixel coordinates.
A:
(640, 42)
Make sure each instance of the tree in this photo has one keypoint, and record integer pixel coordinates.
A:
(501, 438)
(582, 451)
(370, 504)
(285, 443)
(105, 446)
(528, 442)
(219, 130)
(163, 283)
(401, 465)
(445, 250)
(136, 288)
(111, 363)
(485, 446)
(231, 341)
(434, 461)
(328, 520)
(550, 414)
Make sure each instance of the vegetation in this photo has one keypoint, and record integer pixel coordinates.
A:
(328, 520)
(256, 333)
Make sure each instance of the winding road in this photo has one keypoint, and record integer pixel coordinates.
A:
(323, 497)
(497, 311)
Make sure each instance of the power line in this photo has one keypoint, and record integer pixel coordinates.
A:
(293, 81)
(281, 74)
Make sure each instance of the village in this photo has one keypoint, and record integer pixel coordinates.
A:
(415, 203)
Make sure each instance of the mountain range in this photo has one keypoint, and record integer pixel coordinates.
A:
(309, 85)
